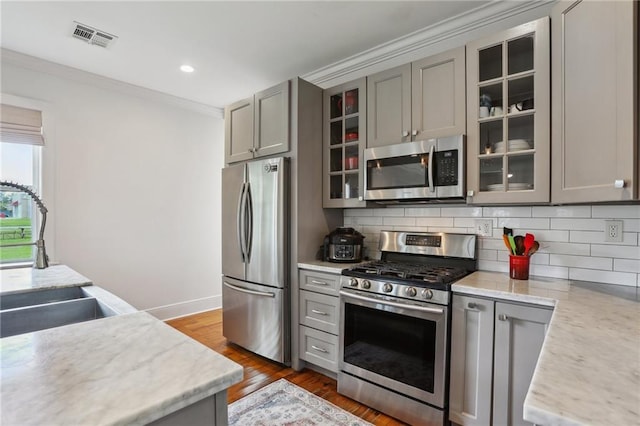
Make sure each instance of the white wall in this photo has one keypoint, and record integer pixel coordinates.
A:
(571, 238)
(136, 190)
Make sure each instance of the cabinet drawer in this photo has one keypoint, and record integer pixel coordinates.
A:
(321, 282)
(319, 348)
(319, 311)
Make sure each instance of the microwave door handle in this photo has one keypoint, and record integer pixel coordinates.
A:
(431, 153)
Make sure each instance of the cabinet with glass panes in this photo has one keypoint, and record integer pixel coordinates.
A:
(344, 117)
(508, 113)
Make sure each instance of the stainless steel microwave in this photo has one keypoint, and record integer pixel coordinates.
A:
(416, 171)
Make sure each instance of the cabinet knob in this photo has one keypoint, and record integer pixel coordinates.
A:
(472, 305)
(503, 317)
(250, 150)
(414, 132)
(619, 183)
(405, 133)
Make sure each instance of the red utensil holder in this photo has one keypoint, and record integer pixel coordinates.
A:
(519, 267)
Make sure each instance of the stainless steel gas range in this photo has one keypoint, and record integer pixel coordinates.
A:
(394, 324)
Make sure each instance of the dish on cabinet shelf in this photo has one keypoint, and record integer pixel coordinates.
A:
(516, 186)
(514, 145)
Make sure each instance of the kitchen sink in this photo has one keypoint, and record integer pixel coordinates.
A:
(41, 309)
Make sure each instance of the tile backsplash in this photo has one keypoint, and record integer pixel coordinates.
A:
(572, 243)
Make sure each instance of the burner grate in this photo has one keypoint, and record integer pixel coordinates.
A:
(411, 272)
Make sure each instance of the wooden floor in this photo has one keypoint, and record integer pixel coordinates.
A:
(258, 372)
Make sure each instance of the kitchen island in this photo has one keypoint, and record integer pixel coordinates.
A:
(588, 372)
(125, 369)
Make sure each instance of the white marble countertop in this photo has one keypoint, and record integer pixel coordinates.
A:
(323, 266)
(588, 372)
(125, 369)
(25, 279)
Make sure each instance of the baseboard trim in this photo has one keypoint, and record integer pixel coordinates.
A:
(189, 307)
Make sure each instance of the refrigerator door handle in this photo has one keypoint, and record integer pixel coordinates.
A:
(241, 231)
(249, 226)
(245, 290)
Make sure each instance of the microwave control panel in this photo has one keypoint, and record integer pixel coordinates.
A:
(446, 167)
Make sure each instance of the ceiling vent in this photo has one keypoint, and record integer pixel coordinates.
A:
(93, 35)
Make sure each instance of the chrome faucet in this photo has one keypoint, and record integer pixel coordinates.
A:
(42, 260)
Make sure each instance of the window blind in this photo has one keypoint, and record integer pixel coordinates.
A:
(20, 125)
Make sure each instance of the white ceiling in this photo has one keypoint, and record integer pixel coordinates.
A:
(237, 47)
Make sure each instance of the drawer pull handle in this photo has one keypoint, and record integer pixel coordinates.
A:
(503, 317)
(318, 282)
(315, 311)
(319, 349)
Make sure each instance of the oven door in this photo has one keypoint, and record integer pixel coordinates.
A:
(394, 343)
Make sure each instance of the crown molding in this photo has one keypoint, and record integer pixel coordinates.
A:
(477, 18)
(37, 64)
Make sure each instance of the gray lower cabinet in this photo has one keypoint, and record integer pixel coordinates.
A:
(494, 351)
(319, 318)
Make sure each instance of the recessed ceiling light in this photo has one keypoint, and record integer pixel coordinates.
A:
(187, 68)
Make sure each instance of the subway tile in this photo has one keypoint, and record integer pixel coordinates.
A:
(616, 212)
(434, 221)
(395, 212)
(564, 211)
(630, 225)
(373, 229)
(587, 262)
(578, 224)
(348, 221)
(566, 248)
(489, 265)
(422, 211)
(523, 223)
(626, 265)
(594, 237)
(537, 259)
(487, 254)
(549, 271)
(461, 211)
(469, 222)
(444, 229)
(398, 221)
(608, 277)
(543, 236)
(410, 228)
(492, 243)
(366, 220)
(506, 212)
(615, 251)
(358, 212)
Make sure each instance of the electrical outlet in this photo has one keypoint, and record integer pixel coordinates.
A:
(484, 227)
(613, 231)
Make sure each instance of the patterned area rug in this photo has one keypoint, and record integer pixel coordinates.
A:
(283, 403)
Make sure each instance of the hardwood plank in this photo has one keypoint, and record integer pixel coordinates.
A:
(206, 327)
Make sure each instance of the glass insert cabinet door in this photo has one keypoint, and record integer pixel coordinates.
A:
(508, 113)
(344, 140)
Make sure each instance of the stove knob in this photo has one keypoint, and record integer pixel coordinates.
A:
(427, 294)
(353, 282)
(387, 288)
(410, 291)
(366, 284)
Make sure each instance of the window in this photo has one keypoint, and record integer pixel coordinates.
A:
(20, 158)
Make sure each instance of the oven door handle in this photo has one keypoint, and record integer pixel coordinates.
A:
(431, 154)
(394, 304)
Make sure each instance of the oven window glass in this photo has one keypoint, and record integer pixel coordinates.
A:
(396, 346)
(409, 171)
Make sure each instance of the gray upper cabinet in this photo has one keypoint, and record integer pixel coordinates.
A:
(519, 334)
(258, 126)
(420, 100)
(595, 115)
(345, 135)
(508, 116)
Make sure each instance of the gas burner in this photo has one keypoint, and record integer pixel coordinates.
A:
(409, 272)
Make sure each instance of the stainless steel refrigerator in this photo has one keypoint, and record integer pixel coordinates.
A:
(255, 253)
